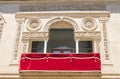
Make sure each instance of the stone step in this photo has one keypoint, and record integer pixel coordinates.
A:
(60, 75)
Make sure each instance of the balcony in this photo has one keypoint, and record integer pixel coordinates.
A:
(60, 66)
(60, 62)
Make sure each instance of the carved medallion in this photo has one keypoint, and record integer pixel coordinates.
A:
(89, 24)
(33, 24)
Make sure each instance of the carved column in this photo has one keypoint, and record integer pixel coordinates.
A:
(77, 46)
(104, 20)
(25, 45)
(45, 46)
(18, 40)
(96, 46)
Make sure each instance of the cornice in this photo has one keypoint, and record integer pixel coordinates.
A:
(76, 14)
(67, 0)
(2, 18)
(28, 2)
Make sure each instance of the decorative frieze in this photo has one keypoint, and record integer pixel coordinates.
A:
(32, 35)
(87, 34)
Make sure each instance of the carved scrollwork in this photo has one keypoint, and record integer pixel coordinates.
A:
(89, 24)
(33, 24)
(29, 35)
(87, 34)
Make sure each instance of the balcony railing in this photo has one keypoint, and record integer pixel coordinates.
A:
(49, 61)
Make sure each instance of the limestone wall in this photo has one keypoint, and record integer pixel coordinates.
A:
(114, 40)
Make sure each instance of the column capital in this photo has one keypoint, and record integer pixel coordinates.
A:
(103, 19)
(20, 19)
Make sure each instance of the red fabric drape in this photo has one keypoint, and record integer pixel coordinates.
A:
(60, 62)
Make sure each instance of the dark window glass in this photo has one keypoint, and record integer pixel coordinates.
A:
(37, 46)
(61, 39)
(85, 46)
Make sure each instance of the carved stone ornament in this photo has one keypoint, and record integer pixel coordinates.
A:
(61, 18)
(2, 22)
(33, 24)
(87, 34)
(89, 24)
(29, 35)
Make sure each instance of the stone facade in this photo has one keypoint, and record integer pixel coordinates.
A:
(17, 30)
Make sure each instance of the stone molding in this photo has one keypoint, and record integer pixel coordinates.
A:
(61, 18)
(75, 14)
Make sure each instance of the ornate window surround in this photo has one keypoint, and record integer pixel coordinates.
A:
(68, 17)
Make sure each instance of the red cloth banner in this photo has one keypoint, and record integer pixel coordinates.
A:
(89, 61)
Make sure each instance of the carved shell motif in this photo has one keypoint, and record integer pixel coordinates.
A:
(33, 24)
(89, 24)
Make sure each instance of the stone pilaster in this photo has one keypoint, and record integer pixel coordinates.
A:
(2, 23)
(25, 46)
(18, 41)
(104, 20)
(106, 65)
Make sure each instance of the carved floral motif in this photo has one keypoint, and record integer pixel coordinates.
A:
(89, 24)
(33, 24)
